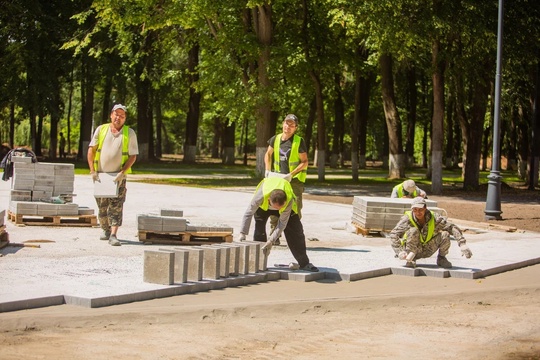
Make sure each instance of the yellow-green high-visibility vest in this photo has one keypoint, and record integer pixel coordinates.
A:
(294, 158)
(273, 183)
(399, 189)
(431, 227)
(125, 145)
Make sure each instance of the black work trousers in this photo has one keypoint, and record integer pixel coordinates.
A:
(294, 233)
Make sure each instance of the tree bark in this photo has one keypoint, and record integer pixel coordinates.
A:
(437, 132)
(193, 115)
(396, 167)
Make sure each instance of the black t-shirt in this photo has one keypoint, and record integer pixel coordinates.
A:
(285, 152)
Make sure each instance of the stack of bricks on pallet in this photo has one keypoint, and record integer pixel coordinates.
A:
(34, 184)
(171, 221)
(183, 264)
(380, 213)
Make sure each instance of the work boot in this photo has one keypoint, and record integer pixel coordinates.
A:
(410, 264)
(113, 241)
(105, 235)
(443, 262)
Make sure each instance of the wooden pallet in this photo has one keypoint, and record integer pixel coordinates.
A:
(184, 238)
(365, 232)
(56, 220)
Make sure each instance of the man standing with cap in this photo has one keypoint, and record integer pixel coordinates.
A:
(407, 189)
(287, 154)
(421, 232)
(113, 149)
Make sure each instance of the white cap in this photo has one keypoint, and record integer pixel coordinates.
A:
(409, 186)
(119, 106)
(418, 202)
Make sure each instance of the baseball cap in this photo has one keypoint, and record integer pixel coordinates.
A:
(119, 106)
(291, 117)
(418, 202)
(409, 186)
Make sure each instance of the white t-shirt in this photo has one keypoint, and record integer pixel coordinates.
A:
(110, 159)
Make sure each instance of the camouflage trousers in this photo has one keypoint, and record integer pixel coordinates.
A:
(440, 242)
(298, 190)
(110, 210)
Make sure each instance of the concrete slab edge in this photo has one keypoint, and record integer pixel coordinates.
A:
(242, 280)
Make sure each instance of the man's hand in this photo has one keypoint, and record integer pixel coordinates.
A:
(267, 247)
(288, 177)
(242, 237)
(95, 176)
(121, 176)
(465, 251)
(266, 173)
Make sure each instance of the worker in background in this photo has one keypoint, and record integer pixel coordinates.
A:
(407, 189)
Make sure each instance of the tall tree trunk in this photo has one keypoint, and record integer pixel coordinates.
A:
(262, 20)
(396, 167)
(339, 124)
(411, 114)
(193, 115)
(159, 126)
(449, 133)
(308, 133)
(472, 131)
(437, 132)
(87, 116)
(228, 143)
(321, 128)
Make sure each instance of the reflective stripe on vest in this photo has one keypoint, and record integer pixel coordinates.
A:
(125, 145)
(431, 227)
(400, 194)
(294, 158)
(273, 183)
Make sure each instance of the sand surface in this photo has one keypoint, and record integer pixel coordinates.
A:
(390, 317)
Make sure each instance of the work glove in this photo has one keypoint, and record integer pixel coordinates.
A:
(402, 255)
(465, 251)
(266, 173)
(242, 237)
(288, 177)
(95, 176)
(267, 247)
(119, 177)
(410, 257)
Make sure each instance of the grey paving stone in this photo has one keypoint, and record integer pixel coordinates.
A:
(159, 267)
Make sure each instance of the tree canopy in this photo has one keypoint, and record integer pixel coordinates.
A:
(405, 82)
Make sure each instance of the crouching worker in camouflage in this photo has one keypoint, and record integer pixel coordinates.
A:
(421, 232)
(274, 196)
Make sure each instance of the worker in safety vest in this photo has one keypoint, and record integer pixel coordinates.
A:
(274, 196)
(421, 232)
(286, 156)
(407, 189)
(113, 149)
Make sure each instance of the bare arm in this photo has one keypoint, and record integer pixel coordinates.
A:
(90, 157)
(268, 158)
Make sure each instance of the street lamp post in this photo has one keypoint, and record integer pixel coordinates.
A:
(493, 201)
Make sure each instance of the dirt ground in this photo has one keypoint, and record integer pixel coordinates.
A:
(392, 317)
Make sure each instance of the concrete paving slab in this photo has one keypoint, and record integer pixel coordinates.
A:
(73, 266)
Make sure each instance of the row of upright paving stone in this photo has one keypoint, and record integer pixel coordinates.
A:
(184, 264)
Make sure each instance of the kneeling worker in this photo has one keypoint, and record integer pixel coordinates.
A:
(407, 189)
(421, 232)
(274, 196)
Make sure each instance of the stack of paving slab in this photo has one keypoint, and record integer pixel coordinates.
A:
(171, 222)
(376, 214)
(34, 185)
